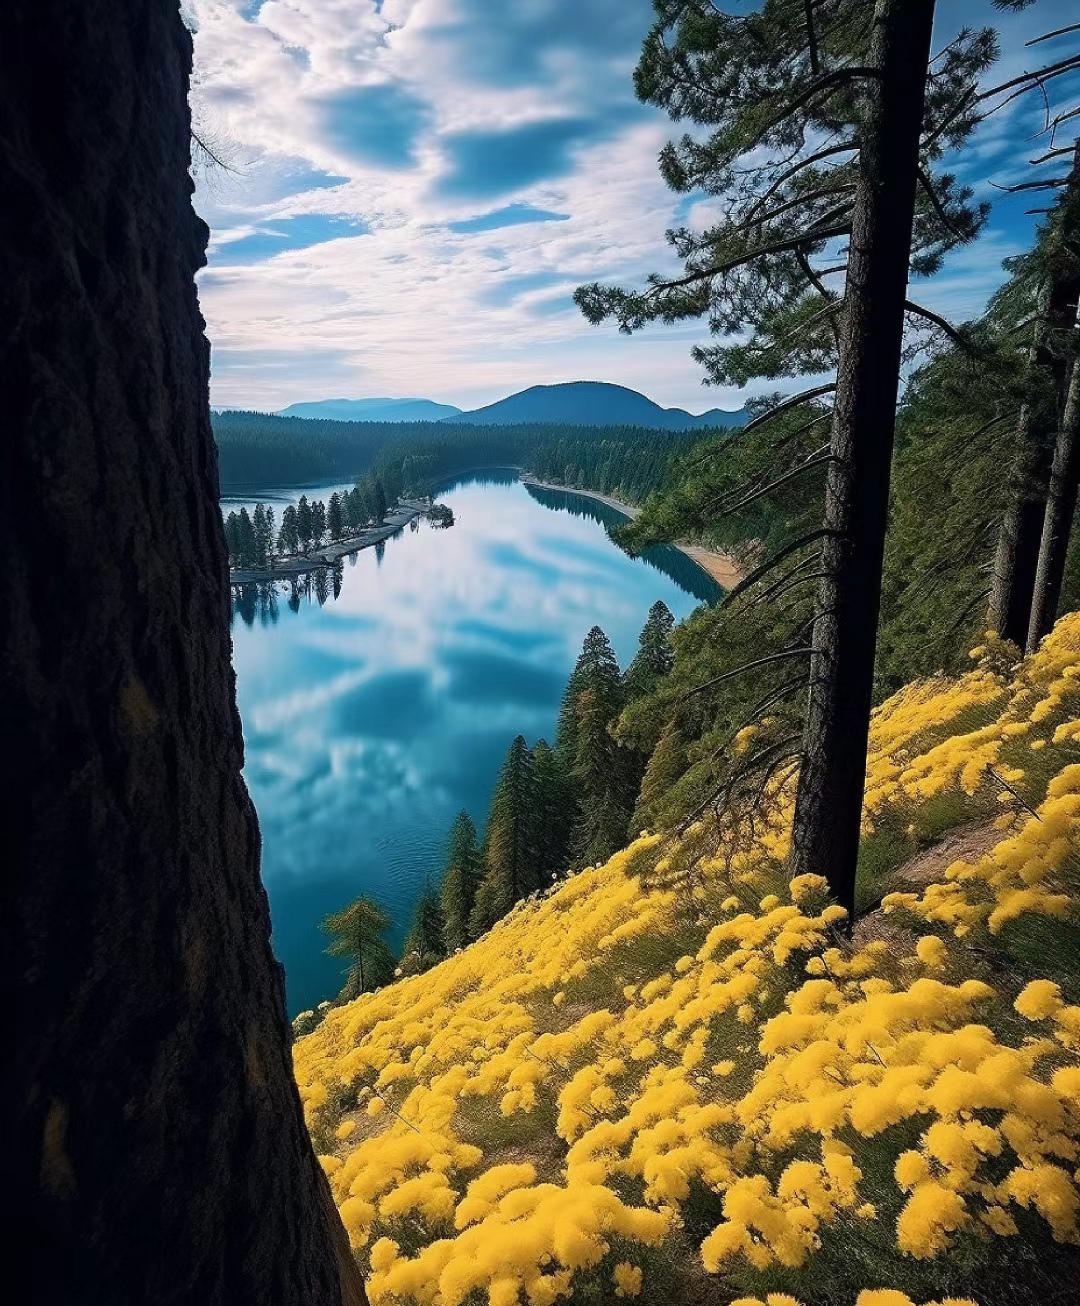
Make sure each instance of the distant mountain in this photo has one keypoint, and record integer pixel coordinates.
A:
(593, 403)
(373, 410)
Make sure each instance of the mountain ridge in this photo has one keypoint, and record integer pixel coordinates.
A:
(372, 410)
(593, 403)
(572, 403)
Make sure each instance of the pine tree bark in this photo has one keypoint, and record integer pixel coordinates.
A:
(828, 803)
(157, 1150)
(1058, 518)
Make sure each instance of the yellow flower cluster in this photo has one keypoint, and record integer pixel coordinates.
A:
(868, 1297)
(551, 1098)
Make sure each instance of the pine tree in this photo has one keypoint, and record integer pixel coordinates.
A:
(599, 772)
(461, 878)
(655, 656)
(318, 522)
(665, 767)
(232, 538)
(288, 536)
(1058, 255)
(552, 813)
(1059, 516)
(304, 523)
(509, 859)
(424, 943)
(245, 535)
(357, 933)
(334, 516)
(378, 501)
(261, 537)
(825, 124)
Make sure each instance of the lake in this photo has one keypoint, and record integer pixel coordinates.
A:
(379, 700)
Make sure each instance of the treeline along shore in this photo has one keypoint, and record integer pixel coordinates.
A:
(326, 554)
(314, 534)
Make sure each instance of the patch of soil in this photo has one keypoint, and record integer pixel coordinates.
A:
(966, 843)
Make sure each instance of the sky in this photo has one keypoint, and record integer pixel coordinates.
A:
(416, 187)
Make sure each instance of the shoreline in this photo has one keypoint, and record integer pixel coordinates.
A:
(721, 567)
(300, 564)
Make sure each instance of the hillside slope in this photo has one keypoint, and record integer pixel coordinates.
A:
(672, 1076)
(594, 403)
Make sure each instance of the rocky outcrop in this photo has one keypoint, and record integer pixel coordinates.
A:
(158, 1151)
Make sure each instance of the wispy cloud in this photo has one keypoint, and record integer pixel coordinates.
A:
(421, 183)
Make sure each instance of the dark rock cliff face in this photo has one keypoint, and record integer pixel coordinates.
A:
(158, 1151)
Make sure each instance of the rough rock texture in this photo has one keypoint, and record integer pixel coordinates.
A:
(158, 1151)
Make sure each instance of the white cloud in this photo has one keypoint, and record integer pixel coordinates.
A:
(389, 115)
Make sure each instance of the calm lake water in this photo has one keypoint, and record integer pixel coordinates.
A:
(373, 716)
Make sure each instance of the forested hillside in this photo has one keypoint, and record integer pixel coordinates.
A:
(259, 449)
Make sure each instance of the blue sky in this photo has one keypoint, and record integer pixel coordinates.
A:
(419, 185)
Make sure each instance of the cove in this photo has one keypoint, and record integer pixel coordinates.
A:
(379, 699)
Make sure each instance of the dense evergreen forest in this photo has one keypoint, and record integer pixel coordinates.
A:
(414, 457)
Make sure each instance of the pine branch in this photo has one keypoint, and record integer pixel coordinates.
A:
(787, 174)
(815, 460)
(1051, 183)
(939, 208)
(793, 402)
(746, 666)
(784, 245)
(758, 573)
(958, 337)
(826, 82)
(1059, 31)
(788, 205)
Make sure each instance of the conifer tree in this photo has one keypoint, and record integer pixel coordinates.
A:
(1059, 516)
(378, 501)
(357, 933)
(825, 122)
(552, 813)
(304, 523)
(1058, 252)
(461, 878)
(666, 765)
(509, 858)
(245, 535)
(261, 537)
(271, 531)
(232, 537)
(655, 656)
(599, 772)
(288, 536)
(318, 522)
(335, 519)
(424, 943)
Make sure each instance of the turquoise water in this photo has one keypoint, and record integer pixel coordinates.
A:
(372, 717)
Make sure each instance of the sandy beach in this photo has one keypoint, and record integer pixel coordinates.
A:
(723, 568)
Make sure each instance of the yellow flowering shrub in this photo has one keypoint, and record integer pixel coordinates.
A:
(547, 1114)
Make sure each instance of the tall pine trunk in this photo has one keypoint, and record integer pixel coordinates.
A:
(1058, 518)
(157, 1150)
(828, 805)
(1065, 469)
(1016, 557)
